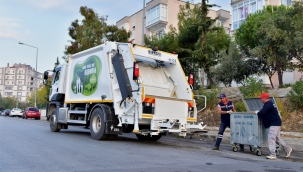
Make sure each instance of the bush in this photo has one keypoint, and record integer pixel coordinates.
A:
(285, 85)
(211, 97)
(240, 107)
(295, 95)
(253, 87)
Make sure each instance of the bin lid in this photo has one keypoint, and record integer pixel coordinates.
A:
(253, 104)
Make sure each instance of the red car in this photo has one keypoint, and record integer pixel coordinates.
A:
(31, 112)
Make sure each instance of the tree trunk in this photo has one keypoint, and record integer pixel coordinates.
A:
(280, 73)
(270, 80)
(209, 79)
(202, 77)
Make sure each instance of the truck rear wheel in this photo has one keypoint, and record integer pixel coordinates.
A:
(97, 125)
(54, 126)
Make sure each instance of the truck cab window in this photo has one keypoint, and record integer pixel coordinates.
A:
(57, 76)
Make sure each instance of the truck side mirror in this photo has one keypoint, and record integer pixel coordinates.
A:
(45, 77)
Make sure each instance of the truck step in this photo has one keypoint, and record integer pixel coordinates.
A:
(77, 111)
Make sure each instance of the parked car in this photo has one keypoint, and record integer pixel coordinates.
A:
(7, 112)
(16, 112)
(32, 112)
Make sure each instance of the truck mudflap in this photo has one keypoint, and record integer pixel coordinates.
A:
(112, 128)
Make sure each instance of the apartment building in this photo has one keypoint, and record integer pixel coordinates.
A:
(159, 15)
(242, 8)
(19, 81)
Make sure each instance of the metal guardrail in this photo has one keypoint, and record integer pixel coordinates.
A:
(204, 102)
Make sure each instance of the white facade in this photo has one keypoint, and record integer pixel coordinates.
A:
(18, 81)
(242, 8)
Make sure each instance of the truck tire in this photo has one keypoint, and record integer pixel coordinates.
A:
(54, 126)
(97, 125)
(155, 137)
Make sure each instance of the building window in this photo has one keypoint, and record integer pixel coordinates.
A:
(9, 88)
(235, 18)
(19, 88)
(19, 93)
(253, 7)
(286, 2)
(246, 9)
(260, 4)
(8, 93)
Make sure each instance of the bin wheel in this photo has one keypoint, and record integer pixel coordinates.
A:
(258, 152)
(235, 148)
(277, 152)
(252, 149)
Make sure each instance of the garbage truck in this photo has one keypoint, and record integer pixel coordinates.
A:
(122, 87)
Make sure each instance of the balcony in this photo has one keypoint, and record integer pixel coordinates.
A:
(223, 15)
(234, 1)
(156, 17)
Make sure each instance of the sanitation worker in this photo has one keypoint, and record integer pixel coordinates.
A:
(271, 119)
(225, 106)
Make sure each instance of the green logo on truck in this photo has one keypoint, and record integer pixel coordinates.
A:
(85, 76)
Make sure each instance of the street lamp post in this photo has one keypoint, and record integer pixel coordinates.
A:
(36, 76)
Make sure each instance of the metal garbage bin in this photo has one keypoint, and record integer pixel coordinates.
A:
(246, 128)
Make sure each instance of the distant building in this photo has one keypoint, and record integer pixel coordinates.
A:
(18, 81)
(159, 15)
(242, 8)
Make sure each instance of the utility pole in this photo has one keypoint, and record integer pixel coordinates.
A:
(143, 22)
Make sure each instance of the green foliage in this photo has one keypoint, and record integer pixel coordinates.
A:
(92, 31)
(233, 66)
(240, 107)
(295, 96)
(211, 97)
(285, 85)
(253, 87)
(295, 32)
(168, 42)
(269, 35)
(211, 42)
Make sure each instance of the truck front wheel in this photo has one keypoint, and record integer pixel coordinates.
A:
(97, 125)
(54, 126)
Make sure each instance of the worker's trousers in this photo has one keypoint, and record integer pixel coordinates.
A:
(273, 139)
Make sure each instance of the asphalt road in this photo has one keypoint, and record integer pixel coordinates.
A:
(29, 146)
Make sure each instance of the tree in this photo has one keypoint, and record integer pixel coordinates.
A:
(265, 35)
(168, 42)
(295, 33)
(9, 102)
(212, 40)
(234, 66)
(92, 31)
(2, 107)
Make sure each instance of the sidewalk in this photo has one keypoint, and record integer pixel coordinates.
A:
(293, 139)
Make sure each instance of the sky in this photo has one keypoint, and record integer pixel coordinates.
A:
(44, 24)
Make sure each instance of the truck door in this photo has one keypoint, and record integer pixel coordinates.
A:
(55, 83)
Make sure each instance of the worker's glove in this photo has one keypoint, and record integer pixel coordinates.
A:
(229, 111)
(256, 111)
